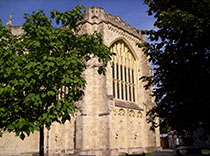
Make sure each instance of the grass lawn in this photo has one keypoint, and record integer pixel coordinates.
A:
(205, 150)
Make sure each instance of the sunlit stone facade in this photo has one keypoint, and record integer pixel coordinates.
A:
(111, 117)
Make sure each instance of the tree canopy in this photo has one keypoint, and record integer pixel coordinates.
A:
(179, 50)
(41, 70)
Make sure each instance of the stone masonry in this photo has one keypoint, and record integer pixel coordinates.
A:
(104, 125)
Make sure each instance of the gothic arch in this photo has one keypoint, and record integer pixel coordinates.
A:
(122, 39)
(139, 114)
(124, 71)
(121, 112)
(131, 113)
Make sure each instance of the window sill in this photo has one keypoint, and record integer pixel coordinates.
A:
(127, 104)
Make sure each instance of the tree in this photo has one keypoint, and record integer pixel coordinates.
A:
(41, 71)
(179, 51)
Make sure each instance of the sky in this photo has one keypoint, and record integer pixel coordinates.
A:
(132, 12)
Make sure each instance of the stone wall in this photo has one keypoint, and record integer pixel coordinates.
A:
(103, 125)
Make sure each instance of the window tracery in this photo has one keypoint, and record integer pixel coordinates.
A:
(123, 72)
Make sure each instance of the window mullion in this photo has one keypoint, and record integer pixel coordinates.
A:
(123, 73)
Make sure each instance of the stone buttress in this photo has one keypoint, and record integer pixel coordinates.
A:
(111, 117)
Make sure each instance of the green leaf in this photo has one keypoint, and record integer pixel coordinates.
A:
(22, 136)
(36, 65)
(10, 127)
(50, 93)
(179, 54)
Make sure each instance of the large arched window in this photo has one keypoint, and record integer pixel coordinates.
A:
(123, 72)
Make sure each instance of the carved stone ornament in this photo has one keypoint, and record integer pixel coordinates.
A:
(121, 112)
(131, 113)
(113, 110)
(9, 23)
(139, 115)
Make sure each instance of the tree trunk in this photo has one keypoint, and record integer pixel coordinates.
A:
(41, 142)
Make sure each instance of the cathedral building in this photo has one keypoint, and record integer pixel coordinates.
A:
(111, 117)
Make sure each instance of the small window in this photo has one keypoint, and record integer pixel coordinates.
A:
(121, 72)
(130, 93)
(132, 76)
(125, 73)
(113, 72)
(122, 91)
(113, 89)
(117, 72)
(134, 94)
(126, 92)
(118, 90)
(129, 78)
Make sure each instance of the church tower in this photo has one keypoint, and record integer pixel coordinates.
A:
(111, 117)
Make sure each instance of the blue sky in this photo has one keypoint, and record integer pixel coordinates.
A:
(133, 12)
